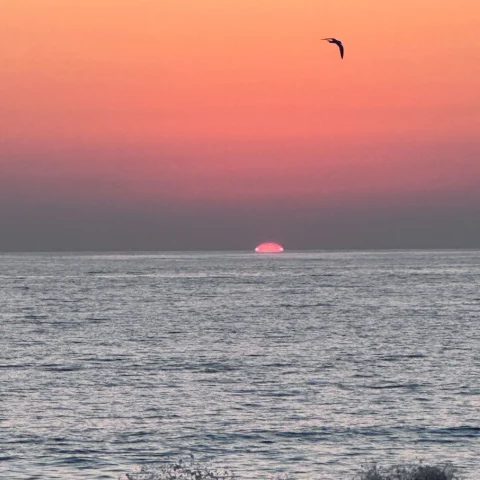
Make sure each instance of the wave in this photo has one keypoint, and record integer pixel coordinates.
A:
(188, 469)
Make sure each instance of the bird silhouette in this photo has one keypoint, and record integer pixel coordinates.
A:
(336, 42)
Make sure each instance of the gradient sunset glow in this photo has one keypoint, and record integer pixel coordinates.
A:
(134, 124)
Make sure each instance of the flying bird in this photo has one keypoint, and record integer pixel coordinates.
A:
(336, 42)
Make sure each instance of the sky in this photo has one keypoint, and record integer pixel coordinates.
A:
(221, 124)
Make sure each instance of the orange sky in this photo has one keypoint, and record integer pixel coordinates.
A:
(147, 101)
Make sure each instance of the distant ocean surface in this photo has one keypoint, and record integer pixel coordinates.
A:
(309, 363)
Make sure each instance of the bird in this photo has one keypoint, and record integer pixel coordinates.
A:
(336, 42)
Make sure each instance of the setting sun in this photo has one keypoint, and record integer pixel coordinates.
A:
(269, 248)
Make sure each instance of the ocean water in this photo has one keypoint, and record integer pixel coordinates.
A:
(310, 363)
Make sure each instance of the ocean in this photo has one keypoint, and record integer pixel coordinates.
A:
(302, 363)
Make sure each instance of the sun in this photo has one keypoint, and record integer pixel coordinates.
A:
(269, 247)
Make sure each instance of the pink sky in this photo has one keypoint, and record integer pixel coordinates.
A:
(181, 104)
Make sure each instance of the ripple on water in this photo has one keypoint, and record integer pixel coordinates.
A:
(110, 361)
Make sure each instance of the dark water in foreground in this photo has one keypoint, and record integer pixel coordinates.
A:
(308, 363)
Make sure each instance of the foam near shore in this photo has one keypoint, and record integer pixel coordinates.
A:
(188, 469)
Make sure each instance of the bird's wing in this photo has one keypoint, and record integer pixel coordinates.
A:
(340, 46)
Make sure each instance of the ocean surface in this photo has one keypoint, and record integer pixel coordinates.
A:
(308, 363)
